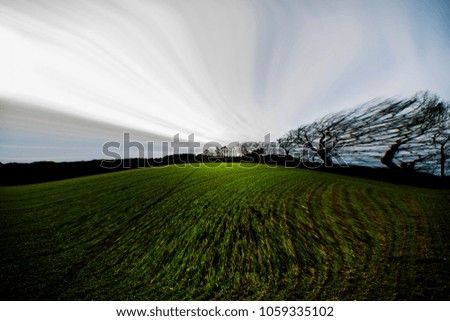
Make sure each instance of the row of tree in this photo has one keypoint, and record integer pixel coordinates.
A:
(237, 149)
(411, 134)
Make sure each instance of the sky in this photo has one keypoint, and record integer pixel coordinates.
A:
(77, 74)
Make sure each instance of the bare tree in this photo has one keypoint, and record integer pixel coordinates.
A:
(323, 138)
(286, 143)
(244, 149)
(441, 136)
(400, 133)
(248, 148)
(224, 151)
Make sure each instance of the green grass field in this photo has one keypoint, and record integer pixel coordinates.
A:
(223, 233)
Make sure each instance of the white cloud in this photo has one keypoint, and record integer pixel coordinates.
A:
(226, 71)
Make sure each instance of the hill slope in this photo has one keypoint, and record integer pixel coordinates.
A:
(223, 233)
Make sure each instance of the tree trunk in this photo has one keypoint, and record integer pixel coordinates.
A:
(325, 158)
(388, 157)
(442, 160)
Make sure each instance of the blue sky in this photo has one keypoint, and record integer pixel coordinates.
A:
(76, 74)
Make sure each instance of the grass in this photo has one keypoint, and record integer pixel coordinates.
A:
(221, 233)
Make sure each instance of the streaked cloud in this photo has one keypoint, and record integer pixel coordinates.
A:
(224, 70)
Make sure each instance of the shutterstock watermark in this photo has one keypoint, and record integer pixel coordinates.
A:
(213, 154)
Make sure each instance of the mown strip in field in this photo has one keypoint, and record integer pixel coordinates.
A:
(224, 233)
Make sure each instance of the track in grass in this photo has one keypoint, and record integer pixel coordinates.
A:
(223, 233)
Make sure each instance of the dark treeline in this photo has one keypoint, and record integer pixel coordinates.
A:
(39, 172)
